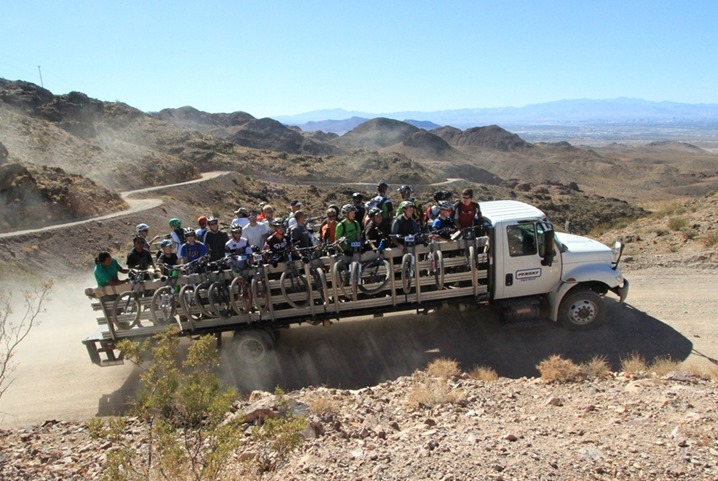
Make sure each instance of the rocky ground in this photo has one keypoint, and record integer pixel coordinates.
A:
(422, 427)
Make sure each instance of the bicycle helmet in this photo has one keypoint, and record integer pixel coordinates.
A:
(175, 222)
(405, 204)
(382, 186)
(236, 228)
(334, 207)
(404, 189)
(202, 220)
(212, 219)
(278, 222)
(358, 196)
(374, 211)
(166, 243)
(439, 195)
(142, 227)
(348, 208)
(445, 205)
(242, 211)
(189, 231)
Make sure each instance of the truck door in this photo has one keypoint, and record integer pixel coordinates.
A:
(521, 271)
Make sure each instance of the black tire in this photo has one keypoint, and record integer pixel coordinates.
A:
(188, 303)
(438, 269)
(126, 310)
(162, 307)
(581, 309)
(201, 299)
(260, 295)
(406, 274)
(294, 289)
(374, 277)
(341, 277)
(219, 297)
(354, 273)
(472, 258)
(320, 284)
(241, 303)
(251, 346)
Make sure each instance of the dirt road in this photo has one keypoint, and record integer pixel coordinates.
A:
(670, 312)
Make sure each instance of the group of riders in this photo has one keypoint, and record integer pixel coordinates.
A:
(373, 223)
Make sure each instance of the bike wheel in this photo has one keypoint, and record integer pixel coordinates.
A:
(240, 300)
(407, 272)
(219, 303)
(294, 289)
(260, 295)
(438, 261)
(354, 273)
(472, 257)
(320, 284)
(127, 311)
(162, 307)
(188, 303)
(341, 277)
(201, 299)
(374, 277)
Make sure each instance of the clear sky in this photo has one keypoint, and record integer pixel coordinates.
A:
(286, 57)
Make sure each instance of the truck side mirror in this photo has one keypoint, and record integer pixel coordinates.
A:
(546, 250)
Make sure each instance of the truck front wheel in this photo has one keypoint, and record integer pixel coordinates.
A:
(581, 309)
(251, 346)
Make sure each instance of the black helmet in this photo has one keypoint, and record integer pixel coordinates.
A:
(382, 186)
(404, 189)
(447, 194)
(374, 211)
(358, 196)
(278, 222)
(439, 195)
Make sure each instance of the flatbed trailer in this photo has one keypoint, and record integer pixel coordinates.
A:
(254, 331)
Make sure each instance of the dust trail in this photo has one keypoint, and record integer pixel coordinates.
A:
(54, 378)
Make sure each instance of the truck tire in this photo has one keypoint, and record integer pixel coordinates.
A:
(581, 309)
(251, 346)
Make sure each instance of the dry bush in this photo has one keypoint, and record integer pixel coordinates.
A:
(596, 368)
(557, 369)
(710, 239)
(709, 372)
(323, 405)
(677, 223)
(634, 365)
(433, 392)
(443, 368)
(663, 365)
(484, 373)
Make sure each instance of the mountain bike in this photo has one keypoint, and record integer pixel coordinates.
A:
(346, 270)
(187, 297)
(259, 288)
(374, 273)
(408, 261)
(201, 293)
(219, 293)
(163, 305)
(127, 307)
(293, 284)
(436, 262)
(240, 291)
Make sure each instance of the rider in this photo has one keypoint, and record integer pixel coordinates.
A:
(215, 239)
(301, 237)
(165, 256)
(328, 228)
(238, 246)
(139, 258)
(255, 232)
(278, 244)
(383, 202)
(143, 230)
(358, 199)
(294, 207)
(405, 192)
(444, 225)
(202, 223)
(177, 233)
(106, 269)
(467, 213)
(432, 212)
(374, 232)
(405, 224)
(242, 217)
(349, 227)
(192, 249)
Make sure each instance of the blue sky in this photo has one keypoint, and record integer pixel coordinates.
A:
(287, 57)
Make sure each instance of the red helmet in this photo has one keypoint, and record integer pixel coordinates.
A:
(202, 220)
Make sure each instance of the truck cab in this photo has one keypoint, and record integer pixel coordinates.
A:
(532, 265)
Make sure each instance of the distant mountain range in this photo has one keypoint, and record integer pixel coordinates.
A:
(559, 113)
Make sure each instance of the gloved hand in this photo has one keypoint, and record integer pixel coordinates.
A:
(305, 259)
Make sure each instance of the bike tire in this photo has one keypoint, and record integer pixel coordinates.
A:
(320, 283)
(292, 286)
(406, 274)
(241, 303)
(374, 277)
(218, 295)
(472, 257)
(341, 277)
(201, 294)
(188, 303)
(260, 295)
(162, 307)
(126, 311)
(439, 269)
(354, 273)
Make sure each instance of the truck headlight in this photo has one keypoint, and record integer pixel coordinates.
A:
(617, 251)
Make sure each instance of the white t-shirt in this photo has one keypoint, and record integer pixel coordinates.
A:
(254, 234)
(243, 221)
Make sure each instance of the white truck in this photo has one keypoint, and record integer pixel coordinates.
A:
(519, 266)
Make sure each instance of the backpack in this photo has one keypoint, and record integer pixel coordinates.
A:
(380, 202)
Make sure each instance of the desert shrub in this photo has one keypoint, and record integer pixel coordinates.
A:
(431, 392)
(689, 234)
(660, 231)
(634, 365)
(557, 369)
(596, 368)
(661, 366)
(677, 223)
(710, 239)
(483, 373)
(322, 405)
(443, 368)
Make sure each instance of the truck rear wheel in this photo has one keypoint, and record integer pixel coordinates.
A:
(251, 346)
(581, 309)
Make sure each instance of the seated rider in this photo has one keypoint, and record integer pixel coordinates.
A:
(106, 269)
(139, 258)
(349, 228)
(299, 234)
(143, 230)
(215, 239)
(405, 224)
(444, 224)
(328, 229)
(176, 234)
(192, 249)
(374, 232)
(467, 213)
(237, 247)
(278, 245)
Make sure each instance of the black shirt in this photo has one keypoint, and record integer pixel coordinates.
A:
(139, 260)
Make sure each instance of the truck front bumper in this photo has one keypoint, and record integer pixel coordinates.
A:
(622, 291)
